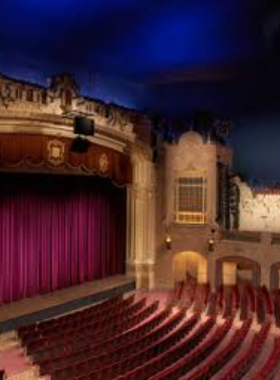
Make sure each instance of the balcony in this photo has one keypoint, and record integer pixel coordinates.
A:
(242, 236)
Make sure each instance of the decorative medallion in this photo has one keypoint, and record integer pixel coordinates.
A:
(56, 152)
(103, 163)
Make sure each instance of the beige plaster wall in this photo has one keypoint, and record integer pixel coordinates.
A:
(245, 275)
(257, 213)
(229, 273)
(191, 153)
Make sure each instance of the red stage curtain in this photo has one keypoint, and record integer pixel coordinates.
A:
(58, 231)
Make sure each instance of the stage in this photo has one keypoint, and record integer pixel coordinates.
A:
(62, 301)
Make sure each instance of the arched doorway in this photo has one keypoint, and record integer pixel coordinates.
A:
(189, 264)
(237, 271)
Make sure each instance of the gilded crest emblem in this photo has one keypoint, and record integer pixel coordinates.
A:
(56, 152)
(103, 163)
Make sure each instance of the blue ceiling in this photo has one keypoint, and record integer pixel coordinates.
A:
(130, 38)
(143, 53)
(169, 57)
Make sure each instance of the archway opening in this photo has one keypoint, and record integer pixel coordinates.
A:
(189, 265)
(190, 279)
(238, 271)
(245, 273)
(235, 278)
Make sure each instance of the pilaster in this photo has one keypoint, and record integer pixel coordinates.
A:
(211, 271)
(141, 219)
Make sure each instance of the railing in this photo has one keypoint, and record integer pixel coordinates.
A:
(245, 236)
(188, 218)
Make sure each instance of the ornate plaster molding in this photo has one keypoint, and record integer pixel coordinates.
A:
(61, 98)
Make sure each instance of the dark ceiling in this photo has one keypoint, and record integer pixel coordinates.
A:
(168, 57)
(132, 37)
(152, 47)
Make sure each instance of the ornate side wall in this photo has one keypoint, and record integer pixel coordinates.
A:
(258, 210)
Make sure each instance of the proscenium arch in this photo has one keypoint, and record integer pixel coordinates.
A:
(189, 262)
(238, 260)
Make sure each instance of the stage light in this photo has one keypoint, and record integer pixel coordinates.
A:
(83, 127)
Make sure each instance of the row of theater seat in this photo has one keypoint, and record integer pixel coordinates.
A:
(255, 300)
(143, 356)
(84, 324)
(186, 292)
(243, 365)
(92, 330)
(202, 292)
(276, 302)
(223, 356)
(168, 322)
(136, 340)
(95, 310)
(84, 338)
(110, 344)
(156, 368)
(74, 347)
(73, 366)
(268, 300)
(267, 372)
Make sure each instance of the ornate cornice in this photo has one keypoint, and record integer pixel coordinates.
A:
(24, 122)
(59, 102)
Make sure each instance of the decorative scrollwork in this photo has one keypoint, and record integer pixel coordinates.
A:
(56, 151)
(103, 163)
(6, 95)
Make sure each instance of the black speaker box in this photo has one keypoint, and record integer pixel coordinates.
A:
(80, 145)
(83, 126)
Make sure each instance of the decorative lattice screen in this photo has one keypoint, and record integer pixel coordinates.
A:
(190, 197)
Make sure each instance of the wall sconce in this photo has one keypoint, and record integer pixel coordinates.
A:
(168, 242)
(211, 242)
(211, 245)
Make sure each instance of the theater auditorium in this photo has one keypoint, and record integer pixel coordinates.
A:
(139, 190)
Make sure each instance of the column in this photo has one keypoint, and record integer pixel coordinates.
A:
(141, 221)
(211, 271)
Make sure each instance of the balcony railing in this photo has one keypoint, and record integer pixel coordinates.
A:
(190, 218)
(244, 236)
